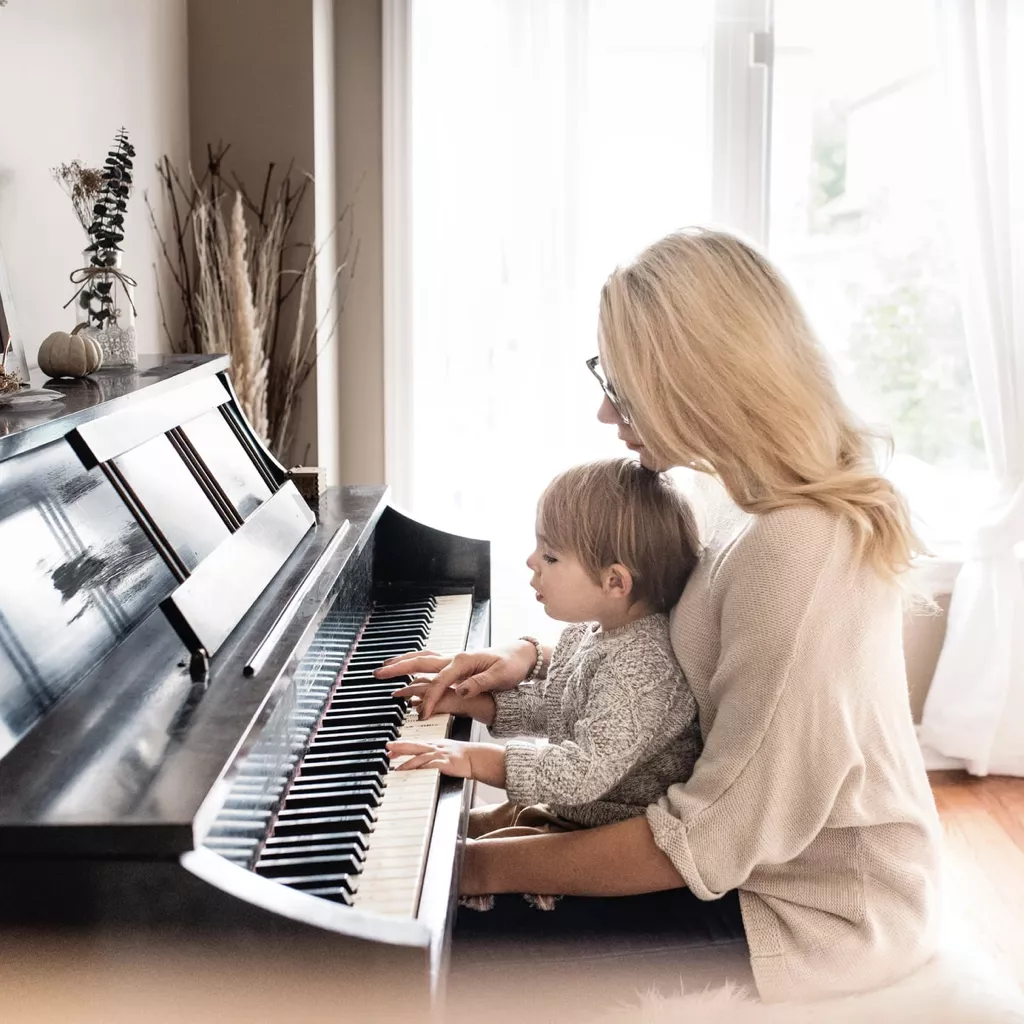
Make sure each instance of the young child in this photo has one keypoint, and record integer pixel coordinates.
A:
(615, 545)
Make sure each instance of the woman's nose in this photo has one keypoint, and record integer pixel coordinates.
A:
(607, 413)
(531, 562)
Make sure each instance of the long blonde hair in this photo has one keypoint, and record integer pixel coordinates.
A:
(718, 368)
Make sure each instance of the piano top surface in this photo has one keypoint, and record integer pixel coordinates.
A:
(99, 394)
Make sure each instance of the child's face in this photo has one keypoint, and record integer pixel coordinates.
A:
(564, 587)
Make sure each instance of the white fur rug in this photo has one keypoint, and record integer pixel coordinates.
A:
(959, 986)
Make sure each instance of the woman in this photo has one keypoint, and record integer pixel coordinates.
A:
(810, 797)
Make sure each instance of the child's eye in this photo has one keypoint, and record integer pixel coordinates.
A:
(550, 559)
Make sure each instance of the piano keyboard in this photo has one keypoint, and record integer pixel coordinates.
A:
(349, 829)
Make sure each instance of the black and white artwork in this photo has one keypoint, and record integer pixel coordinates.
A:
(9, 329)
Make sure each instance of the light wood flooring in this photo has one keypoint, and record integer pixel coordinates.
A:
(984, 825)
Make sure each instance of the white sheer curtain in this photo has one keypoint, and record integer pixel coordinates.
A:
(975, 709)
(551, 139)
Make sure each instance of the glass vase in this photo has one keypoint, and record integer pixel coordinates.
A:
(116, 337)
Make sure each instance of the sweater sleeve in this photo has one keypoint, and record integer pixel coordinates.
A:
(782, 742)
(524, 710)
(636, 705)
(520, 712)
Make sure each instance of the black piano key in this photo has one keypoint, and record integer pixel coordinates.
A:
(350, 745)
(339, 722)
(356, 737)
(416, 628)
(359, 841)
(306, 848)
(367, 702)
(305, 882)
(343, 711)
(332, 823)
(361, 808)
(330, 748)
(368, 781)
(303, 867)
(359, 761)
(370, 685)
(387, 645)
(334, 893)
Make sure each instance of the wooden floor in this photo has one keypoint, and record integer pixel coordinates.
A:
(984, 824)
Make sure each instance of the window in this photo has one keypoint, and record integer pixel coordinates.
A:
(552, 139)
(858, 223)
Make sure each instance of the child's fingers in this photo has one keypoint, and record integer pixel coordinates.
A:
(400, 748)
(432, 759)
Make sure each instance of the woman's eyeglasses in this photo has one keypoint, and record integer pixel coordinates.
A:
(594, 366)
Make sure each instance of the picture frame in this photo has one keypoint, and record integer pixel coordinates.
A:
(16, 361)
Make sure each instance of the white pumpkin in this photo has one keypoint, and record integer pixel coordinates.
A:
(69, 355)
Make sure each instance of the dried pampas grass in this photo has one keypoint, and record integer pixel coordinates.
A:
(229, 260)
(245, 342)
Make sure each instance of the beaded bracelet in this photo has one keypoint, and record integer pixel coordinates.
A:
(538, 665)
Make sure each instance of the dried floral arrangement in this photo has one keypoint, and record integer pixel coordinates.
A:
(234, 270)
(82, 185)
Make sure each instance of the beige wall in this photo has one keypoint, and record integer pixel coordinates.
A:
(358, 83)
(72, 74)
(299, 80)
(251, 84)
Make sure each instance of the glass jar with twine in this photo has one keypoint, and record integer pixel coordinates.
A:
(110, 322)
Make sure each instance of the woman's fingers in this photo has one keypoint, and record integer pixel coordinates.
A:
(415, 689)
(414, 663)
(411, 654)
(461, 667)
(482, 682)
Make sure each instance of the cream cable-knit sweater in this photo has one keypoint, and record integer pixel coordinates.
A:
(810, 796)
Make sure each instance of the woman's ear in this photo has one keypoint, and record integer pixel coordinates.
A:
(618, 581)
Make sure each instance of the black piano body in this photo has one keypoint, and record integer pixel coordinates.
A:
(190, 733)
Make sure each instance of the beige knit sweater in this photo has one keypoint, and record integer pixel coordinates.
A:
(810, 796)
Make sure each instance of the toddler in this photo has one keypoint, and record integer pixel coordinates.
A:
(615, 545)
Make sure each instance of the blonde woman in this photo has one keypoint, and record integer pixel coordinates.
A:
(810, 797)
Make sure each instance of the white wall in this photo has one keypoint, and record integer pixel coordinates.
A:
(72, 74)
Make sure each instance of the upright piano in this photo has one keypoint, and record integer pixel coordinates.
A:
(191, 733)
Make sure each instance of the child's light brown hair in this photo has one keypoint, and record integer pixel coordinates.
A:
(616, 511)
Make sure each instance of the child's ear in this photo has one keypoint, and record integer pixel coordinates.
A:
(618, 581)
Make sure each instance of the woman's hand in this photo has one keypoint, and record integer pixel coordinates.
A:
(482, 761)
(481, 707)
(469, 673)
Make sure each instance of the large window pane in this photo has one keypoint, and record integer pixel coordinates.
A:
(551, 140)
(858, 224)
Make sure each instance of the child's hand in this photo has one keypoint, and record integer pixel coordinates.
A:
(480, 707)
(482, 761)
